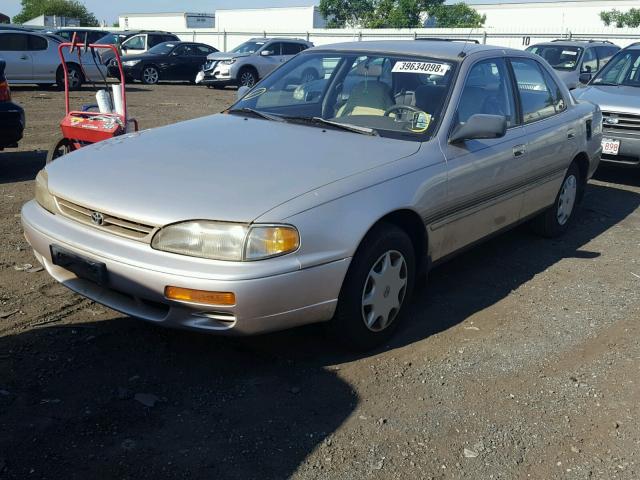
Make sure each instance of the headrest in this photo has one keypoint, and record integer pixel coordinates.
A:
(370, 70)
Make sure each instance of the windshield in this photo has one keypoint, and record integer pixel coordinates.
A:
(623, 69)
(388, 95)
(162, 48)
(560, 57)
(248, 47)
(110, 39)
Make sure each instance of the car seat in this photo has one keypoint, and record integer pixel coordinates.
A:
(368, 97)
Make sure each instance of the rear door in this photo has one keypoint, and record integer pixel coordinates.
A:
(550, 132)
(14, 49)
(45, 58)
(484, 176)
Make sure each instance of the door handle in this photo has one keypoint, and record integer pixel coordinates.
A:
(24, 57)
(519, 150)
(571, 134)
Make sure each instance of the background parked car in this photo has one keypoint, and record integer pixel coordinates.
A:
(33, 58)
(91, 34)
(251, 61)
(12, 119)
(135, 42)
(616, 89)
(166, 61)
(575, 61)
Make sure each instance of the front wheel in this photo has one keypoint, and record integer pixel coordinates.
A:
(248, 78)
(59, 148)
(74, 77)
(376, 289)
(150, 75)
(554, 221)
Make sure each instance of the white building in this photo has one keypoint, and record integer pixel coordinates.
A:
(171, 22)
(567, 15)
(282, 19)
(53, 21)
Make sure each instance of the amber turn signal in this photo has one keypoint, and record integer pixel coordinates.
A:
(200, 296)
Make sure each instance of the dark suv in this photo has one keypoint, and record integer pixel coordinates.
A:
(11, 115)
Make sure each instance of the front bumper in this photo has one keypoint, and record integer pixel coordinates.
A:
(137, 276)
(629, 152)
(220, 74)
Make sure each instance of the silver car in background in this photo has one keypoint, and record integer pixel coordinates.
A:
(33, 58)
(575, 61)
(318, 201)
(616, 89)
(251, 61)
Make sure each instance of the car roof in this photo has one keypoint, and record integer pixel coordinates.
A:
(281, 39)
(426, 48)
(577, 43)
(633, 46)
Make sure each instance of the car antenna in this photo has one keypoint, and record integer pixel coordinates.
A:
(462, 53)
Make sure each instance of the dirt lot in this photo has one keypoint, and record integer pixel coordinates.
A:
(520, 359)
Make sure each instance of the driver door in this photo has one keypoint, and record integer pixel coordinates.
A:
(484, 191)
(270, 62)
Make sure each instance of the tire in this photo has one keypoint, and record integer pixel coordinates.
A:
(76, 78)
(364, 320)
(59, 148)
(556, 220)
(309, 75)
(45, 86)
(149, 75)
(247, 77)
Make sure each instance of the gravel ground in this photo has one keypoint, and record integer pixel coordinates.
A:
(519, 359)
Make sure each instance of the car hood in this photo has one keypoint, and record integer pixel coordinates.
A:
(612, 98)
(217, 56)
(221, 167)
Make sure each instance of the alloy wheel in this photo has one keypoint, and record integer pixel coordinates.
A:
(150, 75)
(384, 291)
(567, 199)
(247, 79)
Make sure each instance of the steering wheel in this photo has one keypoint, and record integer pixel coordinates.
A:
(397, 108)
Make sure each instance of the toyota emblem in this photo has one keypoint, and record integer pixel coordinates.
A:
(97, 218)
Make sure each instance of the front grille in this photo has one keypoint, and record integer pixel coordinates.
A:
(626, 122)
(108, 223)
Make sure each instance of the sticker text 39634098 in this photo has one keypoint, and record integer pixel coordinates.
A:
(427, 68)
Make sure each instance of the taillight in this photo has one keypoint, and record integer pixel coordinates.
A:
(5, 93)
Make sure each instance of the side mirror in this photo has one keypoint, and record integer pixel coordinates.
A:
(480, 126)
(584, 78)
(241, 92)
(266, 53)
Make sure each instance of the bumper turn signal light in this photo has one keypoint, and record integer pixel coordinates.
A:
(200, 296)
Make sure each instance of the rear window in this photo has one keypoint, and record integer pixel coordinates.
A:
(37, 43)
(13, 42)
(560, 57)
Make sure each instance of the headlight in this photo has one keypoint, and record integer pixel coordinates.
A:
(43, 197)
(130, 63)
(228, 62)
(227, 241)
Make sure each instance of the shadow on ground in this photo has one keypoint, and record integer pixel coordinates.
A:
(231, 408)
(21, 166)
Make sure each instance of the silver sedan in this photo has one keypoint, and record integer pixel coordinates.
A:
(322, 200)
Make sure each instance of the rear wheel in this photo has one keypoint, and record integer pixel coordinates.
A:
(59, 148)
(554, 221)
(150, 75)
(376, 289)
(74, 77)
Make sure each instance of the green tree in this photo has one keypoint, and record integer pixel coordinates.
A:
(459, 15)
(376, 13)
(630, 18)
(65, 8)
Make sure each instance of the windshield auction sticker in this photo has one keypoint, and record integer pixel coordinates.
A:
(428, 68)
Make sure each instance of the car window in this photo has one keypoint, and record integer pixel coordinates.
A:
(589, 61)
(13, 42)
(37, 43)
(95, 36)
(203, 50)
(535, 96)
(183, 51)
(560, 57)
(623, 69)
(488, 90)
(291, 48)
(555, 92)
(275, 48)
(170, 38)
(65, 34)
(153, 40)
(134, 43)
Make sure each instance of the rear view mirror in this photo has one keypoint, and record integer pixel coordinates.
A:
(480, 126)
(266, 53)
(584, 77)
(241, 92)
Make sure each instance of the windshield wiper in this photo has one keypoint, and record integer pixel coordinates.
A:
(257, 113)
(338, 125)
(606, 84)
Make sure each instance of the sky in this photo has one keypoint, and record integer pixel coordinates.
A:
(109, 9)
